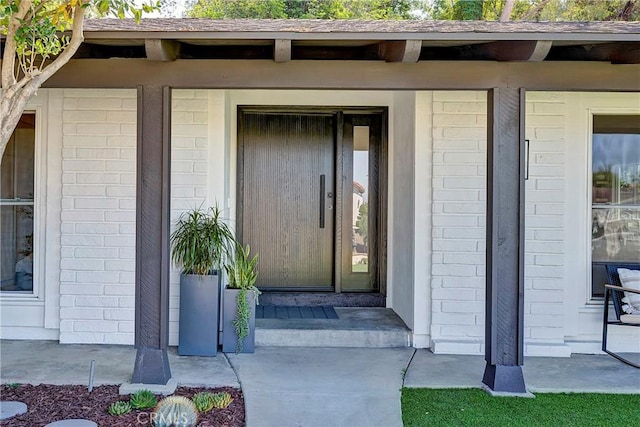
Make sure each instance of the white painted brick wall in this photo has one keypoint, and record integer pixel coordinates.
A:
(459, 168)
(545, 217)
(98, 207)
(459, 140)
(189, 166)
(98, 216)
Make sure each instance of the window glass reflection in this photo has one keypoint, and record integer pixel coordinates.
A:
(615, 226)
(16, 208)
(360, 224)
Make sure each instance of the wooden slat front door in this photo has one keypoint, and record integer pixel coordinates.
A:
(286, 189)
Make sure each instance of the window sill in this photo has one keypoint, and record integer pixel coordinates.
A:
(20, 299)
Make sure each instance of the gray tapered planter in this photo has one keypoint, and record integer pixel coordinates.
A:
(229, 310)
(199, 314)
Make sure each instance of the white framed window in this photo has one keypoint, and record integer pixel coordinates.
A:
(19, 211)
(615, 194)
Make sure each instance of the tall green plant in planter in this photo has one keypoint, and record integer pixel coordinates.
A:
(200, 244)
(241, 297)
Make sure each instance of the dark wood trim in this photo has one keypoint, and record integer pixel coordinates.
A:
(165, 214)
(239, 173)
(359, 282)
(325, 110)
(344, 193)
(504, 311)
(339, 202)
(266, 74)
(383, 194)
(152, 235)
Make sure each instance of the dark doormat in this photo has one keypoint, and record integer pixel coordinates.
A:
(295, 312)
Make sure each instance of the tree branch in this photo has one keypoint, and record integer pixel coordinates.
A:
(77, 37)
(533, 12)
(9, 56)
(506, 10)
(34, 11)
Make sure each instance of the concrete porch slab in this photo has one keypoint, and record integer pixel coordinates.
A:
(579, 373)
(48, 362)
(372, 327)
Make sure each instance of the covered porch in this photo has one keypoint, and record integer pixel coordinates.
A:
(501, 61)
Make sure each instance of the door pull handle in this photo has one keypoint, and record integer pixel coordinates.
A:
(322, 197)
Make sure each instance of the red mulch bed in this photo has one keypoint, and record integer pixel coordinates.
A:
(48, 403)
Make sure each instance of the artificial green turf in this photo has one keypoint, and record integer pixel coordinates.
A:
(474, 407)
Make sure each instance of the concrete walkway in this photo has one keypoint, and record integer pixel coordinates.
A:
(579, 373)
(36, 362)
(303, 386)
(322, 387)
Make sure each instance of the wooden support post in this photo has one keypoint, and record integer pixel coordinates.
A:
(152, 236)
(505, 241)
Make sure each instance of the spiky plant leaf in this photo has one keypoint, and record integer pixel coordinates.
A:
(119, 408)
(143, 399)
(201, 241)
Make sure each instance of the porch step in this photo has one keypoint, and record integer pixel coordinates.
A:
(371, 327)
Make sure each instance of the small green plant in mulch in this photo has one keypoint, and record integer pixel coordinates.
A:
(474, 407)
(221, 400)
(203, 401)
(119, 408)
(13, 386)
(143, 399)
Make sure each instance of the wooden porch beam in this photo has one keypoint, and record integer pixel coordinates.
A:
(152, 236)
(282, 50)
(161, 50)
(504, 308)
(343, 75)
(401, 50)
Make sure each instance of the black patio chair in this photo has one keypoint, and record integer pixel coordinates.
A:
(615, 292)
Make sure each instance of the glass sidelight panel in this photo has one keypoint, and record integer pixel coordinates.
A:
(360, 213)
(359, 233)
(16, 209)
(615, 227)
